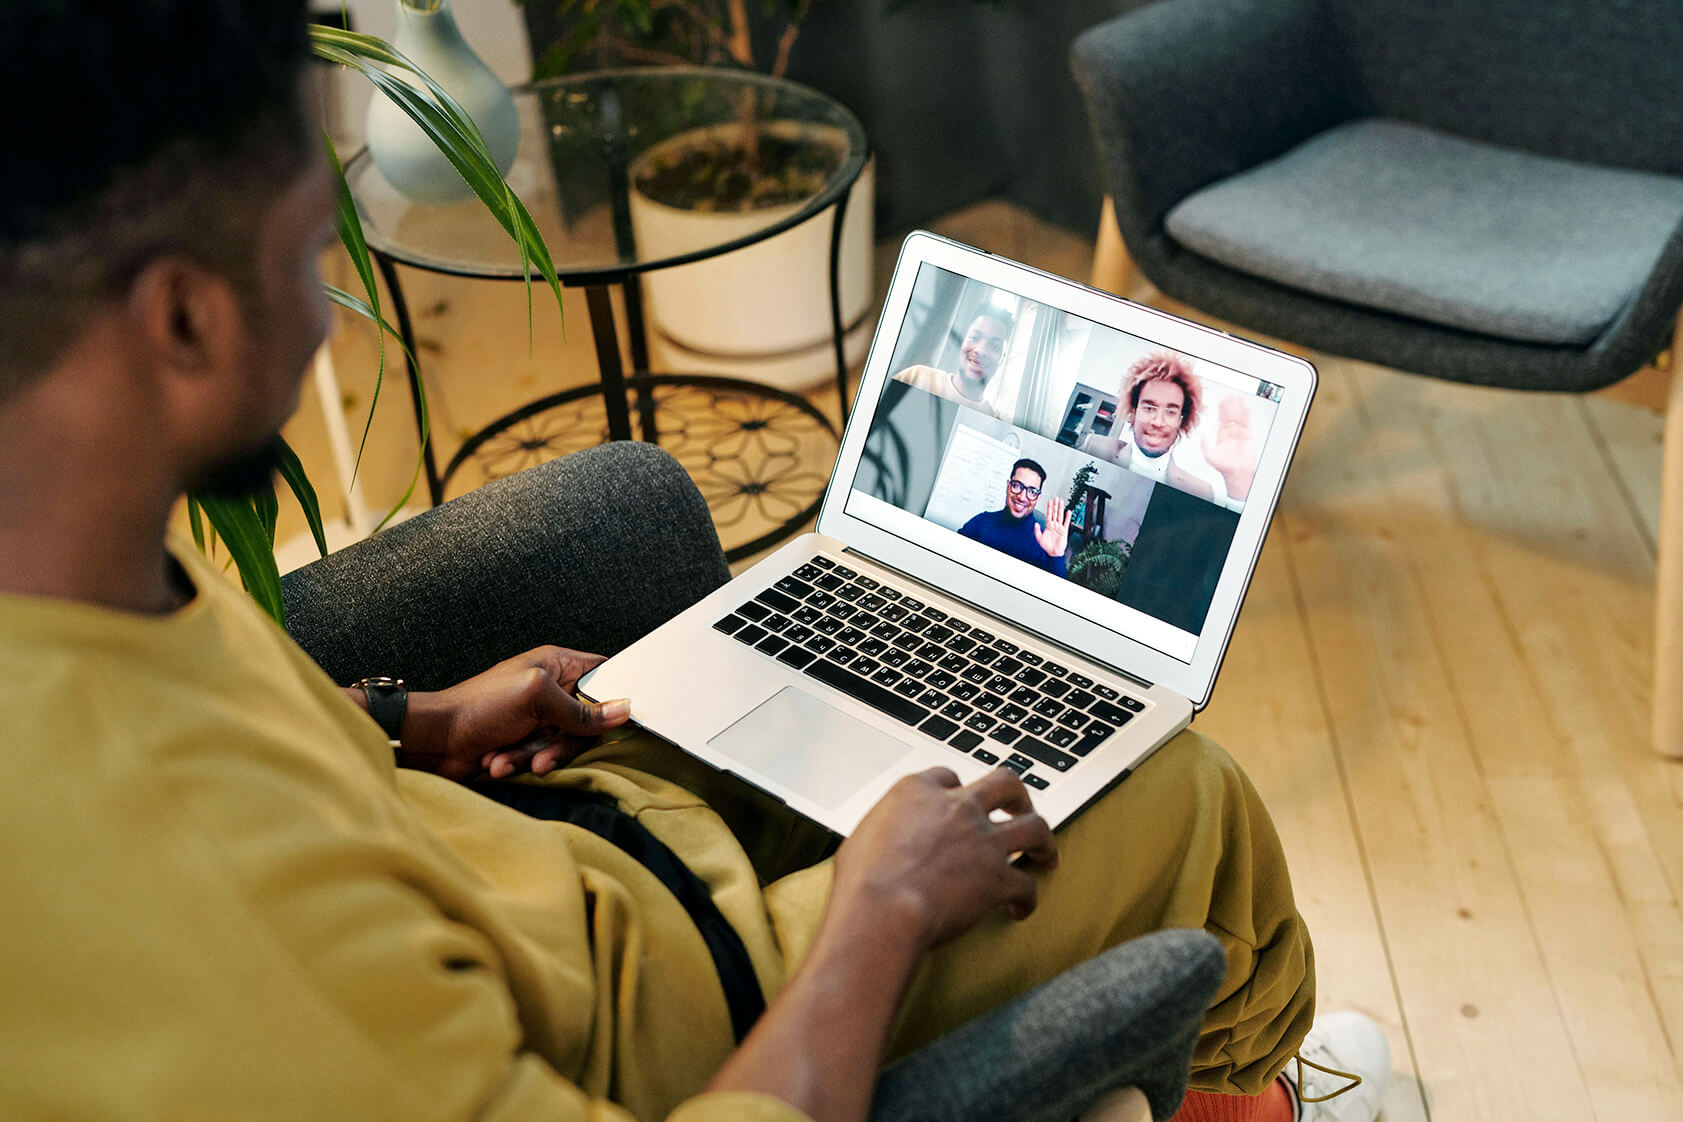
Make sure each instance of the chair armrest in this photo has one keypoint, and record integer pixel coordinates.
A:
(590, 551)
(1186, 92)
(1127, 1017)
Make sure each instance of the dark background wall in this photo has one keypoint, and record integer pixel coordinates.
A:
(962, 100)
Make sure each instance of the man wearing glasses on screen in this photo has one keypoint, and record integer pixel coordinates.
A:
(1015, 530)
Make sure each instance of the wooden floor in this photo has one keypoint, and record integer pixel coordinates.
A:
(1439, 682)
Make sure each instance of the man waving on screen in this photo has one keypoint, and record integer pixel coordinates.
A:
(1015, 530)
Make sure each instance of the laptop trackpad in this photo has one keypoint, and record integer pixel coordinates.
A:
(809, 746)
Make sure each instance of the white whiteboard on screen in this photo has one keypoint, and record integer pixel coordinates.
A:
(972, 476)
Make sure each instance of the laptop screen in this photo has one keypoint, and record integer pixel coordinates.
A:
(1064, 446)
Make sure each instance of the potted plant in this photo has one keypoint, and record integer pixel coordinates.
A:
(709, 185)
(1099, 564)
(247, 527)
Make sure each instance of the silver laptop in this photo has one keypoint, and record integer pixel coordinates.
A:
(1045, 512)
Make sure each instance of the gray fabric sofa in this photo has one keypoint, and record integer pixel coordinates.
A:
(594, 550)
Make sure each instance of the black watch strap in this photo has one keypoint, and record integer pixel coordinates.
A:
(388, 701)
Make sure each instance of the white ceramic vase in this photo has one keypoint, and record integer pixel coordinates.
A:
(405, 155)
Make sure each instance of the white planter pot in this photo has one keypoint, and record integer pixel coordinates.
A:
(761, 312)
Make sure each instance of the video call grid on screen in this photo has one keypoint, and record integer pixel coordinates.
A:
(987, 388)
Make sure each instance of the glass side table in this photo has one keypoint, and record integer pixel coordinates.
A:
(743, 442)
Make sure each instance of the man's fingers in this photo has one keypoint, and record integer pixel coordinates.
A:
(557, 708)
(575, 665)
(1000, 789)
(938, 776)
(1029, 835)
(1022, 894)
(513, 761)
(539, 755)
(501, 765)
(561, 751)
(563, 664)
(598, 717)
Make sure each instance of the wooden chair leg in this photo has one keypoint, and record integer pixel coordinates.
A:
(1668, 631)
(1113, 269)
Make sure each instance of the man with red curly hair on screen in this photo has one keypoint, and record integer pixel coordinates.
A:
(1162, 401)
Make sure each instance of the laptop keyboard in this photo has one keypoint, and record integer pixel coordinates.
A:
(950, 678)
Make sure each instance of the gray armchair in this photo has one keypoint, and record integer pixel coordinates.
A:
(1484, 192)
(594, 550)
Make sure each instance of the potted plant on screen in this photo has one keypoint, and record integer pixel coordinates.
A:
(247, 527)
(1098, 564)
(707, 186)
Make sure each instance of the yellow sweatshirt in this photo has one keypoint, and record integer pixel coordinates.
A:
(219, 900)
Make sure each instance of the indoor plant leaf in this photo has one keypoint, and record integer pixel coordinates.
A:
(346, 300)
(292, 470)
(353, 303)
(267, 505)
(196, 523)
(252, 548)
(349, 225)
(415, 475)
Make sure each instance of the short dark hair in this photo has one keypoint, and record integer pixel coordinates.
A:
(1025, 462)
(994, 311)
(151, 127)
(1165, 366)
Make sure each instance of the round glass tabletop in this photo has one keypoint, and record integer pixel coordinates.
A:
(622, 172)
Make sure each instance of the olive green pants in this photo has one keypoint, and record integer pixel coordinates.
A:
(1183, 842)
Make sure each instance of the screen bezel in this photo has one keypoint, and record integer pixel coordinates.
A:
(902, 541)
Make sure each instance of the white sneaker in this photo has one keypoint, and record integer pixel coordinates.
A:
(1341, 1070)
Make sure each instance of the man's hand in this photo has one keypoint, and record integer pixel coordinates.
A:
(1054, 537)
(1230, 447)
(520, 715)
(931, 855)
(926, 863)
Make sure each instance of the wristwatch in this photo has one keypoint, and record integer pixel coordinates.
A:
(388, 701)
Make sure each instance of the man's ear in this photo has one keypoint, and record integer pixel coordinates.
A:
(186, 320)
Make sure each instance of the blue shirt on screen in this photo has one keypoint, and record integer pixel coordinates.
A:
(1013, 536)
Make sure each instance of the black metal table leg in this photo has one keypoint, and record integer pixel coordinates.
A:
(625, 242)
(406, 330)
(838, 335)
(637, 328)
(608, 361)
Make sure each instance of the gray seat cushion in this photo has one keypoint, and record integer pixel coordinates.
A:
(1408, 220)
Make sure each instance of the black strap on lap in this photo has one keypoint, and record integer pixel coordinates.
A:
(589, 812)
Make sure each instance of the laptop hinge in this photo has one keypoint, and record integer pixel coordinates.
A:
(1011, 623)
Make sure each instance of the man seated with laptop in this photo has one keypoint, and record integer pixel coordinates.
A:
(223, 899)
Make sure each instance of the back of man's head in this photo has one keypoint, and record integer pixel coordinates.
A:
(137, 128)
